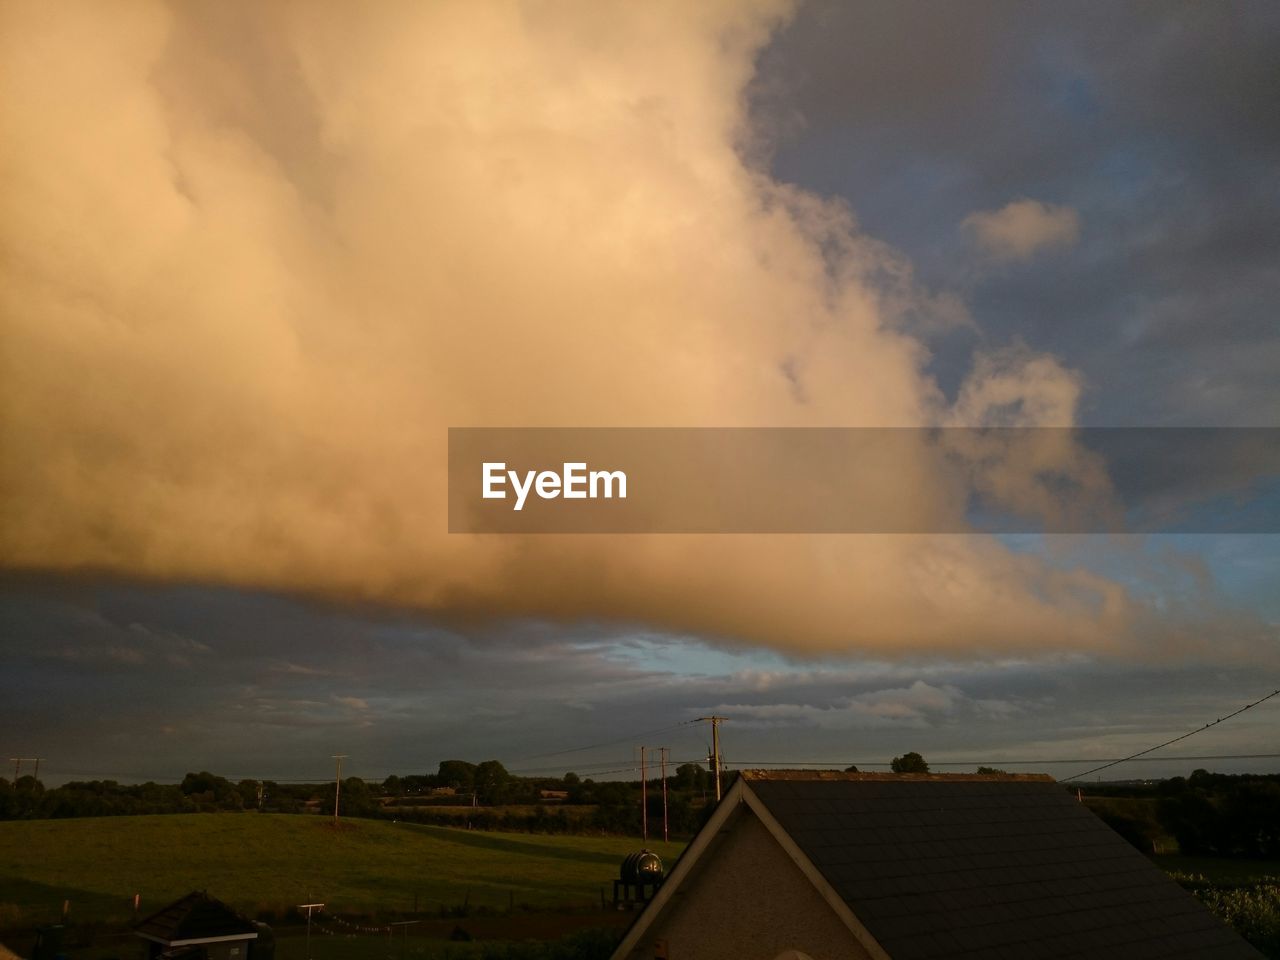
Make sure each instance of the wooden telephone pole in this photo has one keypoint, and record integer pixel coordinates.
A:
(666, 835)
(337, 786)
(644, 797)
(715, 748)
(19, 761)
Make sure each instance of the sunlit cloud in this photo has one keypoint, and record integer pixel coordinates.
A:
(260, 258)
(1022, 228)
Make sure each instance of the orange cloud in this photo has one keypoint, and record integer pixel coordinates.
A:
(258, 258)
(1021, 229)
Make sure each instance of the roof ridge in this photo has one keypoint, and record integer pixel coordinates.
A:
(804, 774)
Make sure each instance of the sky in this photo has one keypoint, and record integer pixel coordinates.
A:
(258, 258)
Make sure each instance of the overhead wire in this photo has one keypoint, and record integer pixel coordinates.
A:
(1191, 733)
(629, 766)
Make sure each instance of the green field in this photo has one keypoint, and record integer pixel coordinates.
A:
(264, 863)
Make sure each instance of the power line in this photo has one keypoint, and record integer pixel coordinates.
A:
(993, 763)
(580, 769)
(630, 738)
(1214, 723)
(622, 765)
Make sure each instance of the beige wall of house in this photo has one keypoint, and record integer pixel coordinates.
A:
(747, 889)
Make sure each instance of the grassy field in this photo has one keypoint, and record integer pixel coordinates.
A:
(368, 873)
(266, 862)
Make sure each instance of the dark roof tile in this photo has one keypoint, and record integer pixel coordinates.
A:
(955, 867)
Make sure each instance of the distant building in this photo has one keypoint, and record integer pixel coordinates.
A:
(198, 927)
(816, 865)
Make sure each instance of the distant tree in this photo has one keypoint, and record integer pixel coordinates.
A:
(692, 777)
(418, 783)
(357, 799)
(29, 785)
(580, 791)
(492, 782)
(614, 793)
(201, 782)
(458, 774)
(8, 800)
(1251, 819)
(248, 790)
(210, 792)
(571, 779)
(270, 793)
(909, 763)
(851, 769)
(392, 786)
(991, 771)
(1194, 822)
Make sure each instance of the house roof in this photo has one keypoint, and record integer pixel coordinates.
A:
(196, 918)
(966, 866)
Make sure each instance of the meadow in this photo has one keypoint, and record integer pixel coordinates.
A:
(510, 891)
(266, 863)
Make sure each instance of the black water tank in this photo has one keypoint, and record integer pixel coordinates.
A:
(642, 867)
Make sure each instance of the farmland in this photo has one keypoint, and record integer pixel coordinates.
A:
(265, 863)
(511, 887)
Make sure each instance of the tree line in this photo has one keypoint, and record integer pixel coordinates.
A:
(501, 800)
(1208, 814)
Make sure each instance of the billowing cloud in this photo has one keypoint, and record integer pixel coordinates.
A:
(1021, 229)
(258, 258)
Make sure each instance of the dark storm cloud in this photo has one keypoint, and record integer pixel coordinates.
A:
(132, 682)
(1156, 123)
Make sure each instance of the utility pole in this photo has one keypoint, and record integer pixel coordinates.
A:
(644, 797)
(309, 907)
(715, 748)
(337, 787)
(19, 761)
(666, 836)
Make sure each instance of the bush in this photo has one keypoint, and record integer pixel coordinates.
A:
(1252, 908)
(909, 763)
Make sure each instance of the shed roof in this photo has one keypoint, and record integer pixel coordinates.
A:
(196, 918)
(970, 866)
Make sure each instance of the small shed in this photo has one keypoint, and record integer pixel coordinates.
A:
(818, 865)
(198, 927)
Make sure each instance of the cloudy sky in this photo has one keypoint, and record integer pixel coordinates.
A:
(259, 257)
